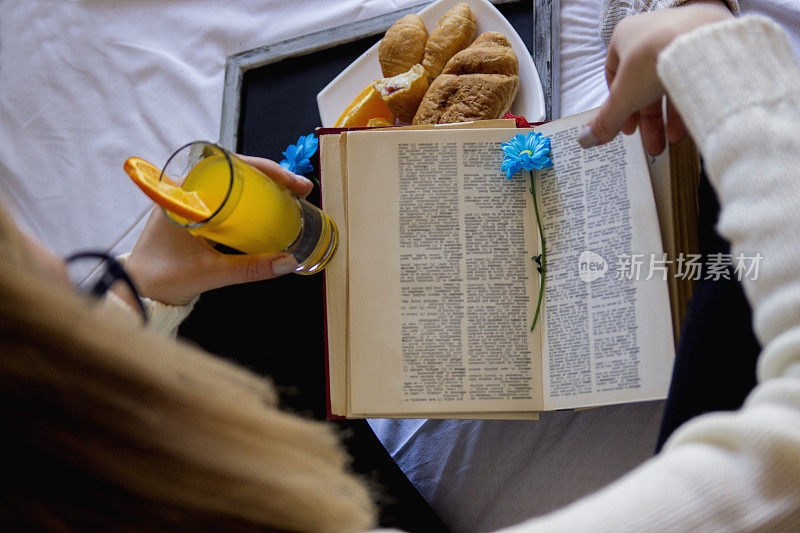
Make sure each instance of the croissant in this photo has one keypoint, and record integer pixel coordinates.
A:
(403, 46)
(454, 31)
(478, 83)
(465, 98)
(490, 53)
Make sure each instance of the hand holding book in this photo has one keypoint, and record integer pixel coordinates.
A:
(636, 91)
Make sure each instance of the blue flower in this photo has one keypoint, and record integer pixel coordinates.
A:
(529, 152)
(526, 151)
(298, 155)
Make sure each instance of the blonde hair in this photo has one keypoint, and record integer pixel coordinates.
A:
(109, 427)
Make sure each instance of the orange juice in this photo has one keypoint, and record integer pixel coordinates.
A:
(253, 214)
(246, 210)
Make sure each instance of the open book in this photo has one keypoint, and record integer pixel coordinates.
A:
(431, 295)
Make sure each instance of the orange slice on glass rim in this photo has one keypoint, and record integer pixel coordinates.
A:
(165, 192)
(367, 105)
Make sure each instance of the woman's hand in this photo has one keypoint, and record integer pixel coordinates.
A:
(172, 266)
(635, 91)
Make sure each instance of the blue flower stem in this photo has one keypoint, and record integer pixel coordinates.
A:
(542, 257)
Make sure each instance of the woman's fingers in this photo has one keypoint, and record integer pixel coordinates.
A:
(676, 130)
(297, 184)
(634, 85)
(631, 124)
(624, 100)
(234, 269)
(651, 123)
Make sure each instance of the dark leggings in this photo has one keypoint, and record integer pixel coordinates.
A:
(716, 358)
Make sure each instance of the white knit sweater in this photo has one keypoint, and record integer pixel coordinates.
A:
(737, 87)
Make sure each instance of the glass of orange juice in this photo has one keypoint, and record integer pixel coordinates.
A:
(249, 211)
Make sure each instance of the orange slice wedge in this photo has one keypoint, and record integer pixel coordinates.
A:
(166, 193)
(367, 105)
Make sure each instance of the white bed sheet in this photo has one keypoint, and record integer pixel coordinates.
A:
(84, 84)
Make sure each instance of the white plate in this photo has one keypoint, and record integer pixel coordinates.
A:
(529, 101)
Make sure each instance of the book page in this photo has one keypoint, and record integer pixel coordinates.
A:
(333, 202)
(442, 289)
(608, 332)
(661, 177)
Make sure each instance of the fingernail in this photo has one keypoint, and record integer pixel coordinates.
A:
(283, 265)
(586, 138)
(300, 180)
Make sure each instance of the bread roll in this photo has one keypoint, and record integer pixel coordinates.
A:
(478, 83)
(404, 92)
(452, 98)
(454, 31)
(403, 46)
(491, 53)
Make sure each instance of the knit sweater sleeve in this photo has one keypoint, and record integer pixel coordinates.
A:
(615, 10)
(738, 90)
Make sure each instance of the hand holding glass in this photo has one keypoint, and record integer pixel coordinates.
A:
(249, 211)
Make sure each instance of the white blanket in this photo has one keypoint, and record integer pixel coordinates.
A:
(85, 84)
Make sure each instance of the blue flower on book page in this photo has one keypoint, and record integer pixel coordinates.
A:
(298, 156)
(526, 151)
(530, 151)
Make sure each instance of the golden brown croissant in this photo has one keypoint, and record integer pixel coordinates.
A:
(454, 31)
(403, 46)
(478, 83)
(490, 53)
(452, 98)
(403, 93)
